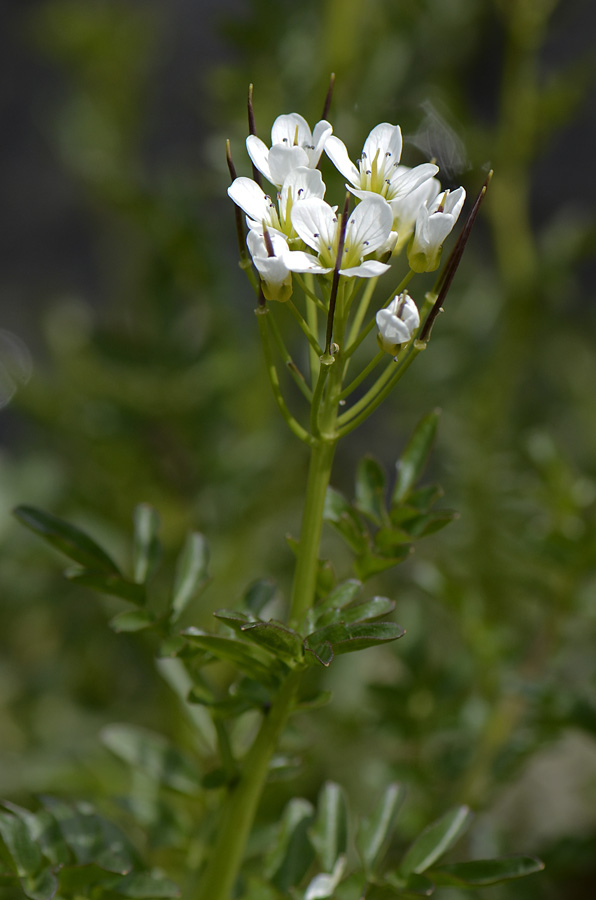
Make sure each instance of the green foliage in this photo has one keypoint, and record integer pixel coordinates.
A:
(381, 534)
(69, 849)
(309, 840)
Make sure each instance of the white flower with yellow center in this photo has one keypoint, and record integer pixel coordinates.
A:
(397, 323)
(435, 221)
(260, 209)
(292, 145)
(378, 170)
(318, 225)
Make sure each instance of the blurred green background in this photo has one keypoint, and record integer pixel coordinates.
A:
(119, 276)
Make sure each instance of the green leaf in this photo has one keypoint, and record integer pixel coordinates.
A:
(416, 886)
(375, 833)
(136, 620)
(413, 460)
(423, 498)
(21, 834)
(292, 853)
(146, 544)
(154, 755)
(275, 638)
(144, 886)
(321, 650)
(114, 585)
(41, 886)
(232, 618)
(191, 573)
(339, 513)
(329, 833)
(370, 564)
(343, 594)
(367, 610)
(350, 638)
(24, 851)
(258, 595)
(324, 885)
(370, 490)
(91, 838)
(67, 538)
(481, 872)
(435, 840)
(391, 541)
(44, 831)
(428, 523)
(241, 654)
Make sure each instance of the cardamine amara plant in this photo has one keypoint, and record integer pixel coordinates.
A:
(345, 270)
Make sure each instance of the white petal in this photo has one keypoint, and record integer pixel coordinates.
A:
(259, 154)
(404, 182)
(321, 133)
(283, 160)
(247, 194)
(369, 226)
(272, 268)
(455, 202)
(302, 183)
(403, 307)
(290, 129)
(337, 152)
(298, 261)
(315, 223)
(257, 247)
(384, 138)
(370, 268)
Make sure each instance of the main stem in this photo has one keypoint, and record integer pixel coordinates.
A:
(240, 805)
(242, 800)
(305, 577)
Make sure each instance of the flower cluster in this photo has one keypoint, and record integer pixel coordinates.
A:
(298, 231)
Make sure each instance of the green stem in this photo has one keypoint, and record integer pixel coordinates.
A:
(305, 578)
(294, 425)
(378, 395)
(291, 366)
(310, 337)
(361, 311)
(363, 375)
(241, 802)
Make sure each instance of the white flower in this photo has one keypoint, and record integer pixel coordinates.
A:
(367, 229)
(406, 207)
(378, 170)
(276, 278)
(300, 184)
(292, 145)
(397, 323)
(259, 207)
(435, 221)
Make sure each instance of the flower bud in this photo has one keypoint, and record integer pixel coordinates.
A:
(397, 323)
